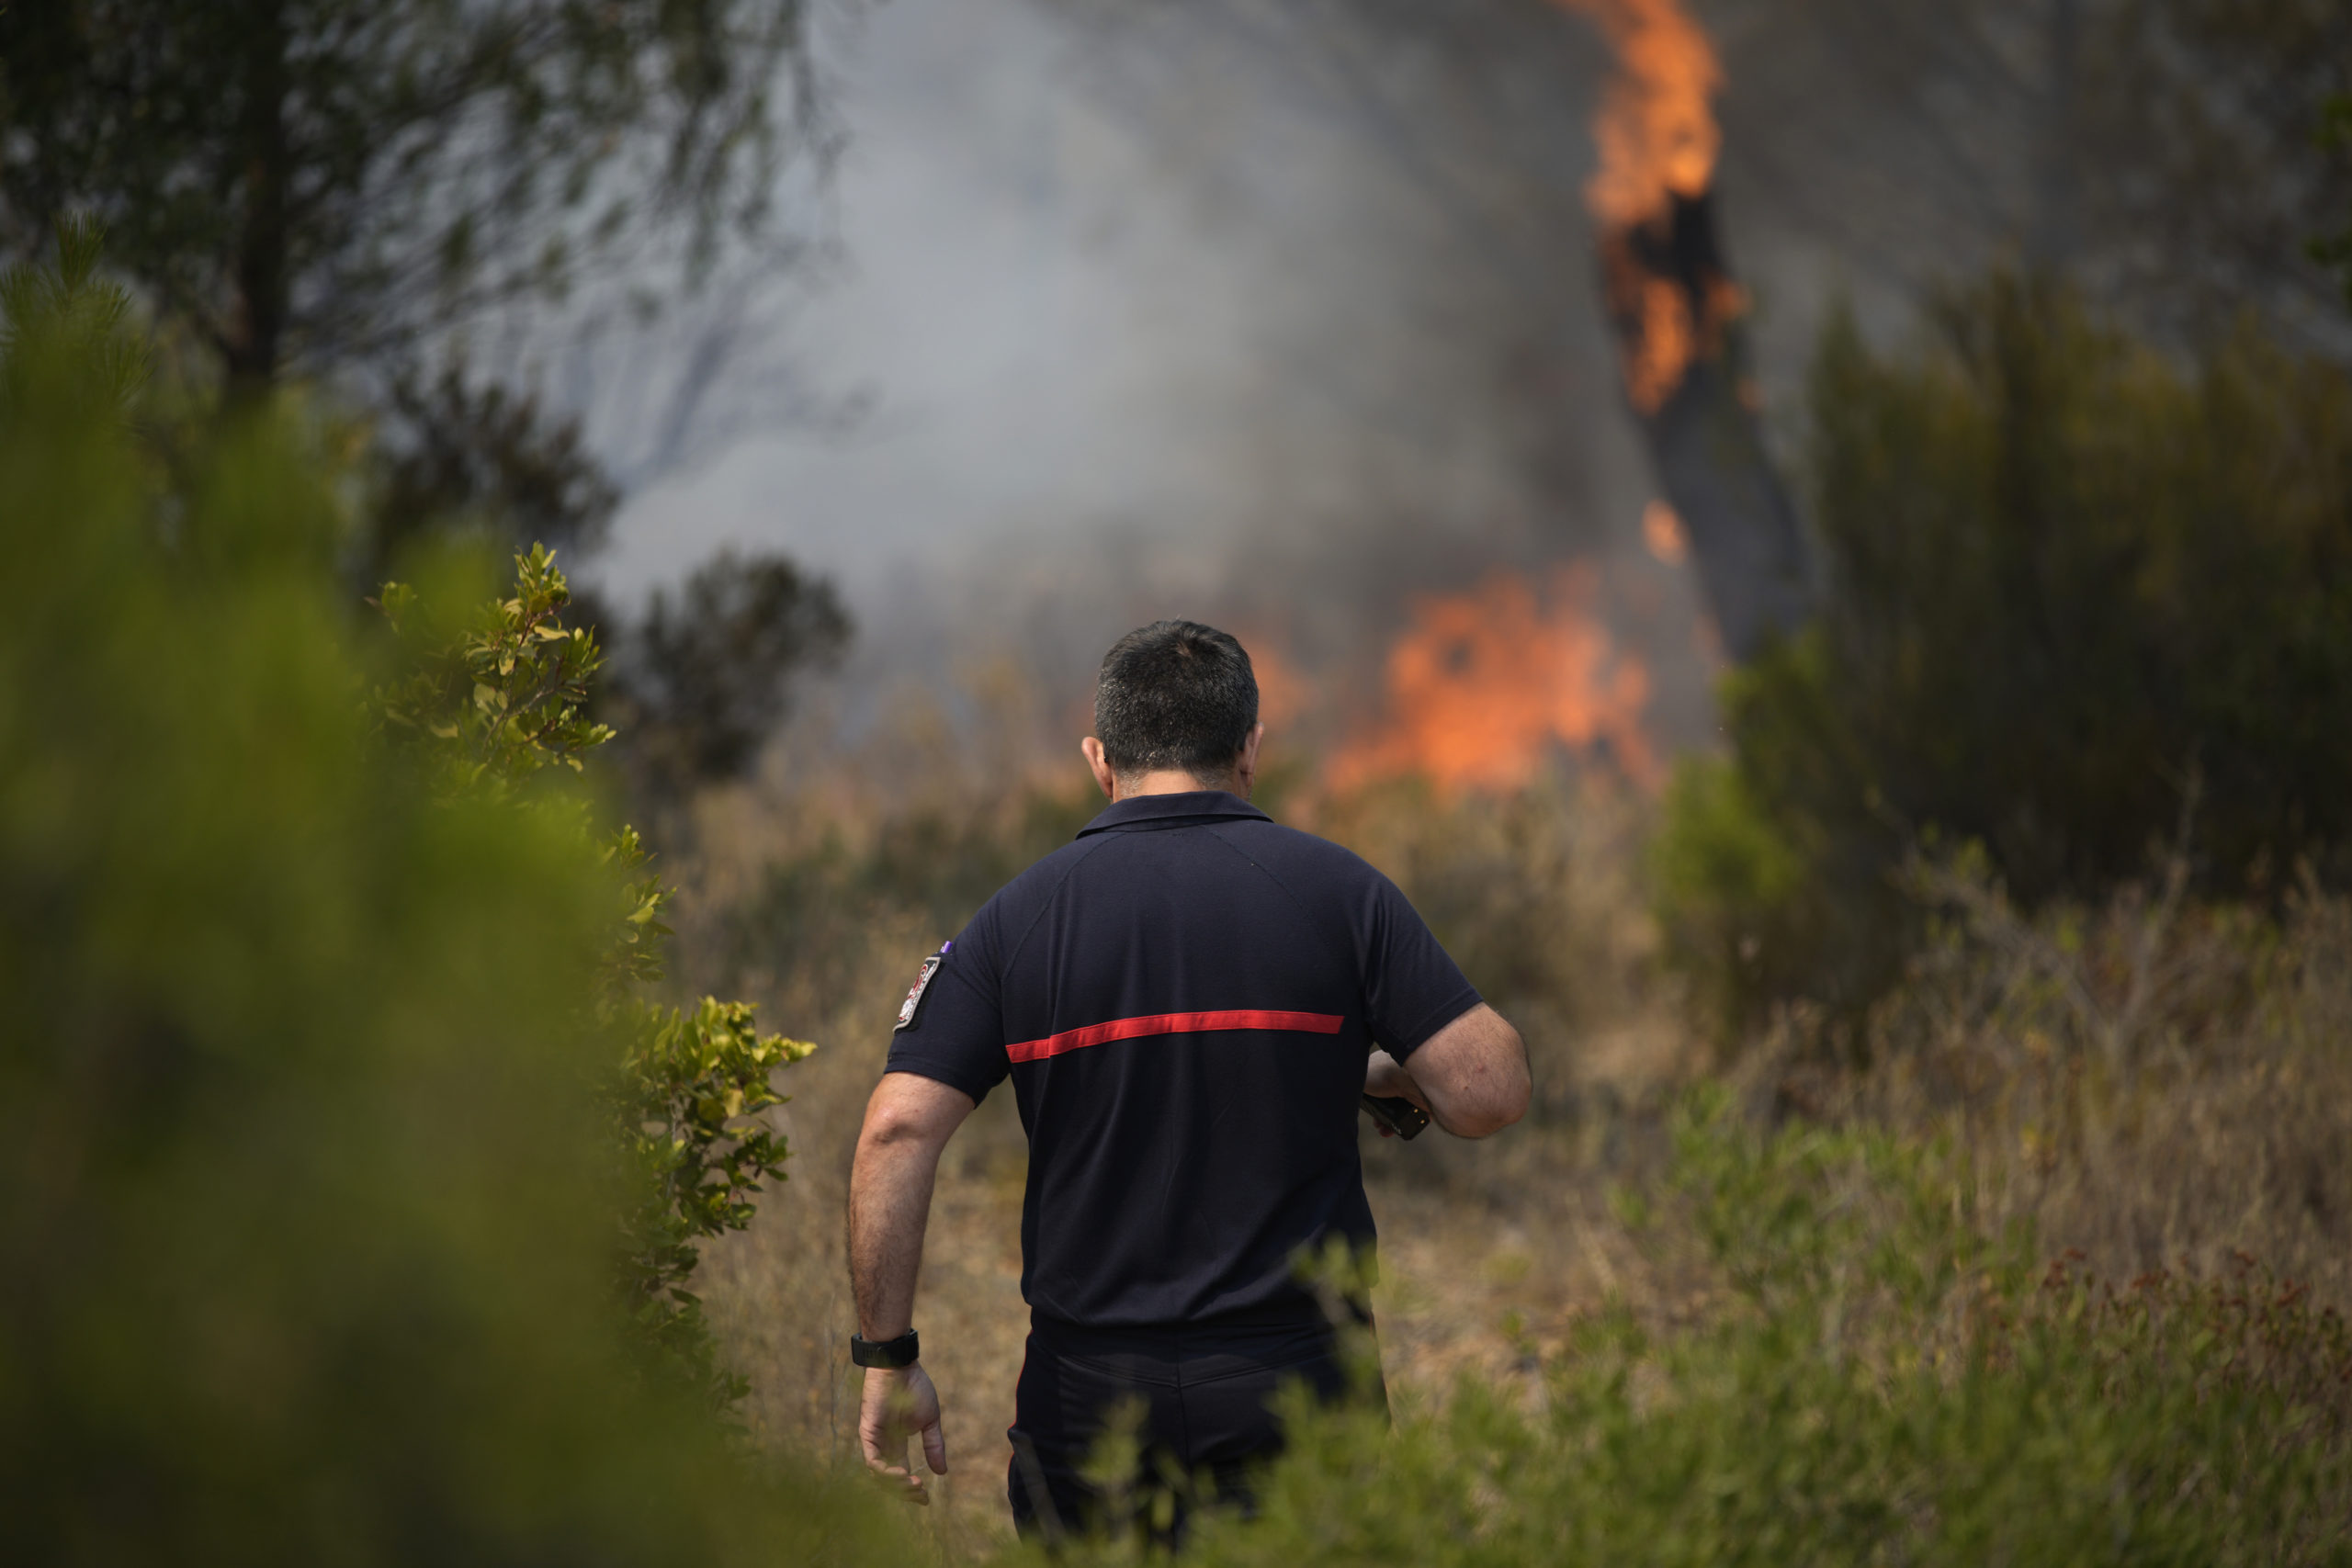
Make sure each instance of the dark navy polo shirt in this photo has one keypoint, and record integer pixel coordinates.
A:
(1183, 997)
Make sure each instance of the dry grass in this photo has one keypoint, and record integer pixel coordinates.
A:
(2150, 1083)
(2154, 1083)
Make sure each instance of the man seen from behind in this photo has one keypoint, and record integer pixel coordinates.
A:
(1190, 1002)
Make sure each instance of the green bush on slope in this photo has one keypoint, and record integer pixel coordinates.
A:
(2065, 580)
(306, 1250)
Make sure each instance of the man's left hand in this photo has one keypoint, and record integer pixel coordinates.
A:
(899, 1403)
(1385, 1078)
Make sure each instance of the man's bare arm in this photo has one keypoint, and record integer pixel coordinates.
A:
(1471, 1076)
(908, 1123)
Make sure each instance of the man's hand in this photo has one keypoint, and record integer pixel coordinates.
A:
(1385, 1078)
(900, 1404)
(906, 1123)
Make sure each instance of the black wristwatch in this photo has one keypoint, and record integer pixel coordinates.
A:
(898, 1352)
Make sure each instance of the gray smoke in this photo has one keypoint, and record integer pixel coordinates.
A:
(1272, 313)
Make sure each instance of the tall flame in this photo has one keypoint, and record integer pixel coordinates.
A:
(1658, 138)
(1484, 685)
(1662, 532)
(1655, 129)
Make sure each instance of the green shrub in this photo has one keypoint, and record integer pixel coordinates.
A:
(2064, 581)
(492, 703)
(306, 1244)
(1876, 1377)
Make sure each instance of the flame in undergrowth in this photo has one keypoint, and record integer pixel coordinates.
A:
(1484, 685)
(1658, 141)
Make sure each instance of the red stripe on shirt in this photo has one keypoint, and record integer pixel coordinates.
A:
(1172, 1024)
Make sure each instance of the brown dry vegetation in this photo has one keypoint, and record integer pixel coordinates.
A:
(2153, 1083)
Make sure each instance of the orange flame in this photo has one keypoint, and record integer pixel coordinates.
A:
(1662, 532)
(1658, 138)
(1484, 683)
(1656, 128)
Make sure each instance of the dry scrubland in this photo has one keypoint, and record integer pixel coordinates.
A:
(2032, 1251)
(2152, 1084)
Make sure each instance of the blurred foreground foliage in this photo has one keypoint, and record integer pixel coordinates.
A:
(307, 1248)
(490, 704)
(2080, 605)
(1877, 1373)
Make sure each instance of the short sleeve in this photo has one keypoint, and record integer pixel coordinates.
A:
(951, 1025)
(1412, 987)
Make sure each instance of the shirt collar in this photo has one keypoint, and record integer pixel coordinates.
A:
(1137, 810)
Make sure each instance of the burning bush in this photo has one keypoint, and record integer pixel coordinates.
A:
(2068, 585)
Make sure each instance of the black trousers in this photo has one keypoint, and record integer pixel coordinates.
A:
(1203, 1394)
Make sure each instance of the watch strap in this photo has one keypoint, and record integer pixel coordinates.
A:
(898, 1352)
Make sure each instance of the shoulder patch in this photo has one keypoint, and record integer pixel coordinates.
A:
(913, 1004)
